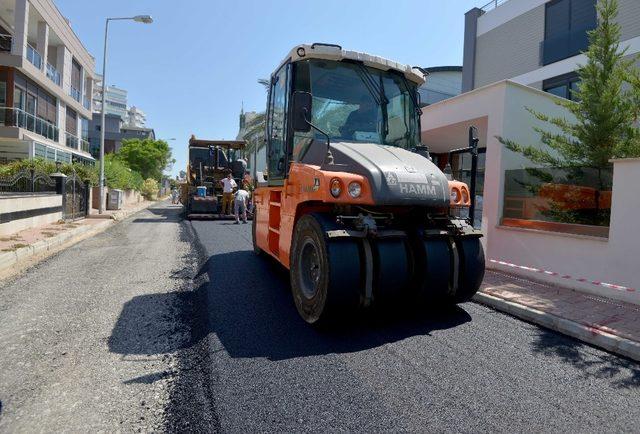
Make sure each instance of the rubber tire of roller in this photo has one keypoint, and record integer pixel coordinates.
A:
(391, 269)
(337, 290)
(437, 270)
(472, 268)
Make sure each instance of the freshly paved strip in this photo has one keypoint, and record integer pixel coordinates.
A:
(138, 328)
(467, 370)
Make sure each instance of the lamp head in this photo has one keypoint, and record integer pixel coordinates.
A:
(146, 19)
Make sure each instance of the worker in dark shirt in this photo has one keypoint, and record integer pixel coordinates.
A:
(364, 119)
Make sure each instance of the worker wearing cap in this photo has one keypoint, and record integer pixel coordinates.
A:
(228, 184)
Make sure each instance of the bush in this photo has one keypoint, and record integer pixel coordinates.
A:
(86, 173)
(118, 174)
(149, 188)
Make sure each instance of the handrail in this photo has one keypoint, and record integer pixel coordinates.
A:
(53, 74)
(76, 142)
(493, 4)
(16, 117)
(75, 93)
(34, 56)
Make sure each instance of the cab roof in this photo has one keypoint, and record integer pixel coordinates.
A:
(204, 143)
(335, 52)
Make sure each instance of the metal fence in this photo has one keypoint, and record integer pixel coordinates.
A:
(27, 181)
(493, 4)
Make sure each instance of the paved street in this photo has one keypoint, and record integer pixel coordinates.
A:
(149, 340)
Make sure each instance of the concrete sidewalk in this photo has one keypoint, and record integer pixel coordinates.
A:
(609, 324)
(25, 248)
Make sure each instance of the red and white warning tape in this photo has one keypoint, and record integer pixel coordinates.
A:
(563, 276)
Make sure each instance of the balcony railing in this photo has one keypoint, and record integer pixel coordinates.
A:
(75, 142)
(75, 93)
(15, 117)
(34, 57)
(492, 5)
(564, 46)
(86, 102)
(53, 74)
(5, 43)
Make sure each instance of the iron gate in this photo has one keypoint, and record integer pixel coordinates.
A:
(75, 197)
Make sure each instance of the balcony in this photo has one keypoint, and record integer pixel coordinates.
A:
(75, 93)
(86, 103)
(564, 46)
(53, 74)
(75, 142)
(492, 5)
(5, 43)
(15, 117)
(34, 57)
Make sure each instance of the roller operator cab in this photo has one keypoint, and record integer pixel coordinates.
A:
(353, 206)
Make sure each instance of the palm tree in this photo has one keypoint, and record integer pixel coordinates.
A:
(254, 129)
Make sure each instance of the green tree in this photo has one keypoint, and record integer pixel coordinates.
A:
(253, 132)
(603, 109)
(146, 156)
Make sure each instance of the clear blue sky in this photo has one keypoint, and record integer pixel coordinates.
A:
(193, 67)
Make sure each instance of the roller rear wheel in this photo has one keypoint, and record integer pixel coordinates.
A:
(325, 274)
(472, 266)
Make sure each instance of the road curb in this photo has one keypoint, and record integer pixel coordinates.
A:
(48, 246)
(587, 333)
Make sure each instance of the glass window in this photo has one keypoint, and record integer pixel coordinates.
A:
(277, 121)
(3, 94)
(18, 98)
(51, 154)
(361, 104)
(65, 157)
(40, 150)
(563, 85)
(84, 125)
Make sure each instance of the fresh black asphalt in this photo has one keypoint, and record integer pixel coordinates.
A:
(468, 369)
(160, 324)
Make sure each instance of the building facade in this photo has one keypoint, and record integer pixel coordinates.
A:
(46, 80)
(443, 82)
(537, 42)
(115, 99)
(136, 117)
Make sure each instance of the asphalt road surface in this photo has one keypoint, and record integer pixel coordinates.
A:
(161, 324)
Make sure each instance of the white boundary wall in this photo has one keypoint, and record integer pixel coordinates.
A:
(615, 260)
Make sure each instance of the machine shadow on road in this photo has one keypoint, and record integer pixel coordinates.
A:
(246, 302)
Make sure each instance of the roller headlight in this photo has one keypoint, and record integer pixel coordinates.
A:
(336, 187)
(465, 195)
(355, 189)
(455, 195)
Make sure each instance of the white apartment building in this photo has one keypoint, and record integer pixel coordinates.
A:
(115, 100)
(136, 117)
(536, 42)
(46, 83)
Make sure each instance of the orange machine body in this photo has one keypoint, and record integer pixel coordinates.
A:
(306, 190)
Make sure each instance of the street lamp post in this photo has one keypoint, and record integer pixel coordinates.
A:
(146, 19)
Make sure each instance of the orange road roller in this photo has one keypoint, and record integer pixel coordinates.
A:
(352, 204)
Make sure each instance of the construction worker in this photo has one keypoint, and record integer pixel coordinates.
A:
(240, 203)
(228, 184)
